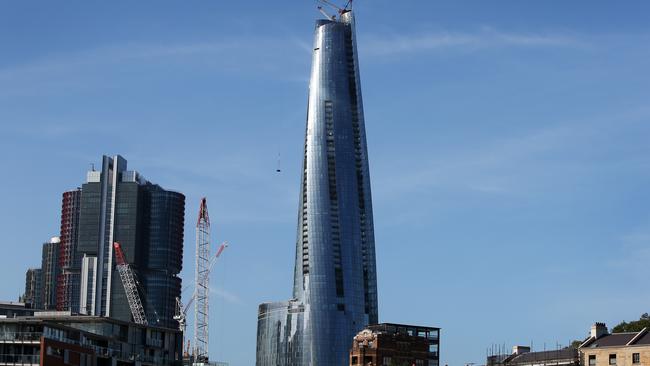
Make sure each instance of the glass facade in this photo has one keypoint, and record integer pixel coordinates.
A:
(147, 220)
(335, 284)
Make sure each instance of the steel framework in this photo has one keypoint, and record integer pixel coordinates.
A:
(202, 289)
(130, 286)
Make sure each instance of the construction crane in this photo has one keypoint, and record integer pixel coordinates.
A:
(338, 9)
(202, 289)
(181, 310)
(130, 286)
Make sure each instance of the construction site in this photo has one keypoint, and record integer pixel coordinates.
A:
(33, 334)
(195, 350)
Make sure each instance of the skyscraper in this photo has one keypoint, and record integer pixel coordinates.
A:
(335, 284)
(33, 288)
(49, 272)
(67, 291)
(118, 205)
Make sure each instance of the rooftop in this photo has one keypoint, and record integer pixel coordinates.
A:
(640, 338)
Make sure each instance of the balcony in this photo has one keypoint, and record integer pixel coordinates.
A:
(21, 337)
(20, 360)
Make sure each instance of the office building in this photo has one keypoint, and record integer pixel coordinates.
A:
(33, 288)
(396, 344)
(615, 349)
(68, 281)
(119, 205)
(49, 273)
(335, 285)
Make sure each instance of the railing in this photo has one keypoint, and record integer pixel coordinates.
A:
(20, 336)
(20, 359)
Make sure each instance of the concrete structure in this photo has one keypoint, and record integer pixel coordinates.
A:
(33, 288)
(618, 349)
(52, 339)
(120, 205)
(396, 344)
(49, 271)
(9, 309)
(335, 283)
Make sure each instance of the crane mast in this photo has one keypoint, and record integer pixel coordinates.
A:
(202, 290)
(130, 286)
(181, 310)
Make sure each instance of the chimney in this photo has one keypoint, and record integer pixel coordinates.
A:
(598, 330)
(518, 350)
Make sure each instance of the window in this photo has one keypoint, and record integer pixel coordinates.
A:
(612, 359)
(636, 358)
(592, 360)
(419, 362)
(355, 360)
(387, 361)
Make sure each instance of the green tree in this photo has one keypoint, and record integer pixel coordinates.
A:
(575, 344)
(633, 326)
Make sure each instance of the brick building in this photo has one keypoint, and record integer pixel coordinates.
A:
(396, 345)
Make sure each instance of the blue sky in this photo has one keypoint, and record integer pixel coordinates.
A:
(508, 147)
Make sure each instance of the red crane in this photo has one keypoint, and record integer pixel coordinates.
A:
(130, 286)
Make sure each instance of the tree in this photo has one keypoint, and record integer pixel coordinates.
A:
(633, 326)
(575, 344)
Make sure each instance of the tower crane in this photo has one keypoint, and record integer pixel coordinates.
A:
(181, 310)
(338, 9)
(130, 286)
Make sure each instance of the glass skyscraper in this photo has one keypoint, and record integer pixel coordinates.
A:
(119, 205)
(335, 283)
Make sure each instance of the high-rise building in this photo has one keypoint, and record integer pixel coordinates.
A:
(33, 288)
(49, 273)
(68, 281)
(119, 205)
(335, 283)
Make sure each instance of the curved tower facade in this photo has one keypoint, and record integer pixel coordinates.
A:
(335, 283)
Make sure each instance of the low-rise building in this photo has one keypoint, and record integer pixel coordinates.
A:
(10, 309)
(396, 345)
(615, 349)
(58, 338)
(521, 356)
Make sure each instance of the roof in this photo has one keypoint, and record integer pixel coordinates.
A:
(561, 354)
(63, 318)
(619, 340)
(402, 326)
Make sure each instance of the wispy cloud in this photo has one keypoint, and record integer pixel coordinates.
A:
(226, 295)
(89, 67)
(387, 44)
(516, 164)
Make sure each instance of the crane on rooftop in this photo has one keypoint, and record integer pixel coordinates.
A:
(340, 10)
